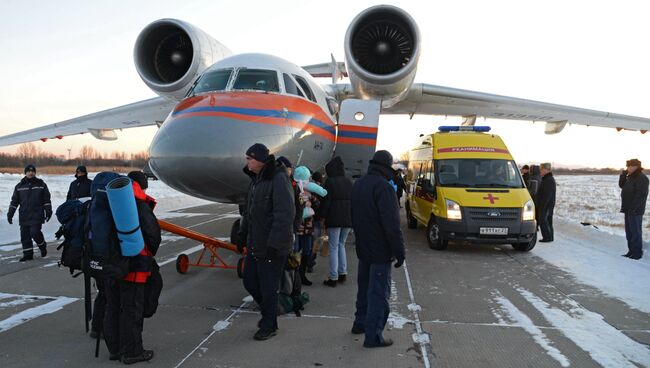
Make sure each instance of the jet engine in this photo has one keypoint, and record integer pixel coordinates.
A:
(382, 48)
(170, 54)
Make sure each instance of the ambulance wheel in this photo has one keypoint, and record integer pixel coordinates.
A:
(182, 263)
(526, 247)
(240, 268)
(411, 222)
(234, 232)
(435, 239)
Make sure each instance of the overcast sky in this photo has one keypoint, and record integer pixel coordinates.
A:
(62, 59)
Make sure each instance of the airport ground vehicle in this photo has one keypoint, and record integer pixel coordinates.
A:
(464, 185)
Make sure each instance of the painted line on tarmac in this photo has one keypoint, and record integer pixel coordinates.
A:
(55, 304)
(247, 300)
(419, 337)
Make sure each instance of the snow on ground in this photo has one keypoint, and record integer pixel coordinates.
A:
(593, 257)
(168, 200)
(595, 199)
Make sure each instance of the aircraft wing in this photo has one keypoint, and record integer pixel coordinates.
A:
(101, 124)
(438, 100)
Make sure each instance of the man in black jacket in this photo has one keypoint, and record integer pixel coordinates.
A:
(33, 198)
(267, 226)
(80, 187)
(379, 241)
(634, 194)
(546, 203)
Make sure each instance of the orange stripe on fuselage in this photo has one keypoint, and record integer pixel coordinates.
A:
(257, 100)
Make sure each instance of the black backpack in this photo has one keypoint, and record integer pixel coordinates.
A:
(72, 216)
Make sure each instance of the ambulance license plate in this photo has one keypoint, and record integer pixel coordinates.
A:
(493, 231)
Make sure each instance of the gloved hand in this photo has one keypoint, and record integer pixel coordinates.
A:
(271, 253)
(48, 213)
(399, 262)
(10, 219)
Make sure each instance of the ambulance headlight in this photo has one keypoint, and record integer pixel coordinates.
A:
(529, 211)
(453, 210)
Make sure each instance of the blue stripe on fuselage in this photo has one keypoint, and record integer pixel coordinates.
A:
(259, 112)
(349, 134)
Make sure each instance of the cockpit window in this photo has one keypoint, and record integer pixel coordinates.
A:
(291, 87)
(212, 81)
(257, 79)
(305, 87)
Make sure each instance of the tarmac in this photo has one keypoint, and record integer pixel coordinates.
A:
(467, 306)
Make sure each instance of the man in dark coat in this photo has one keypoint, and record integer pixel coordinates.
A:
(546, 203)
(267, 226)
(80, 187)
(336, 210)
(33, 198)
(634, 194)
(379, 241)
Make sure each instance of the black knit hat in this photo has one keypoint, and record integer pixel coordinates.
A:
(30, 167)
(140, 178)
(383, 158)
(285, 161)
(82, 168)
(258, 151)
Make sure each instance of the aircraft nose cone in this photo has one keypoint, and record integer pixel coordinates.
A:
(199, 159)
(201, 151)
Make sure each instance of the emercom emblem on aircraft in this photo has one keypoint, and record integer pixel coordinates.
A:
(214, 104)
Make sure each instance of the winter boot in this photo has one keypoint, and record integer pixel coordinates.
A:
(43, 249)
(303, 268)
(27, 257)
(145, 356)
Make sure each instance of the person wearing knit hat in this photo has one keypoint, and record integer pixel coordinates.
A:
(266, 232)
(379, 242)
(140, 178)
(80, 187)
(31, 198)
(634, 194)
(258, 152)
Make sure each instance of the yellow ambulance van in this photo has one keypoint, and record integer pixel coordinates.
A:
(465, 186)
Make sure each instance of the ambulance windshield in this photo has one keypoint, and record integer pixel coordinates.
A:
(478, 173)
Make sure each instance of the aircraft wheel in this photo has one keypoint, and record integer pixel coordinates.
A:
(411, 222)
(182, 263)
(526, 247)
(435, 239)
(234, 232)
(240, 268)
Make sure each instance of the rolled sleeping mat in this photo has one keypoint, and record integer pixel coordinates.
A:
(125, 215)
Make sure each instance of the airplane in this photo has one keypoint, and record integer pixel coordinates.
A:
(214, 104)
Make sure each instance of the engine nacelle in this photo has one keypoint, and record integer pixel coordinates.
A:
(170, 54)
(382, 48)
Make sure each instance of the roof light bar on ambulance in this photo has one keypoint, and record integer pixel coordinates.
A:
(463, 128)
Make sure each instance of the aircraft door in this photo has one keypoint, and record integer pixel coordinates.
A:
(356, 137)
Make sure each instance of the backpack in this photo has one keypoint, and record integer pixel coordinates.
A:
(103, 255)
(72, 217)
(291, 298)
